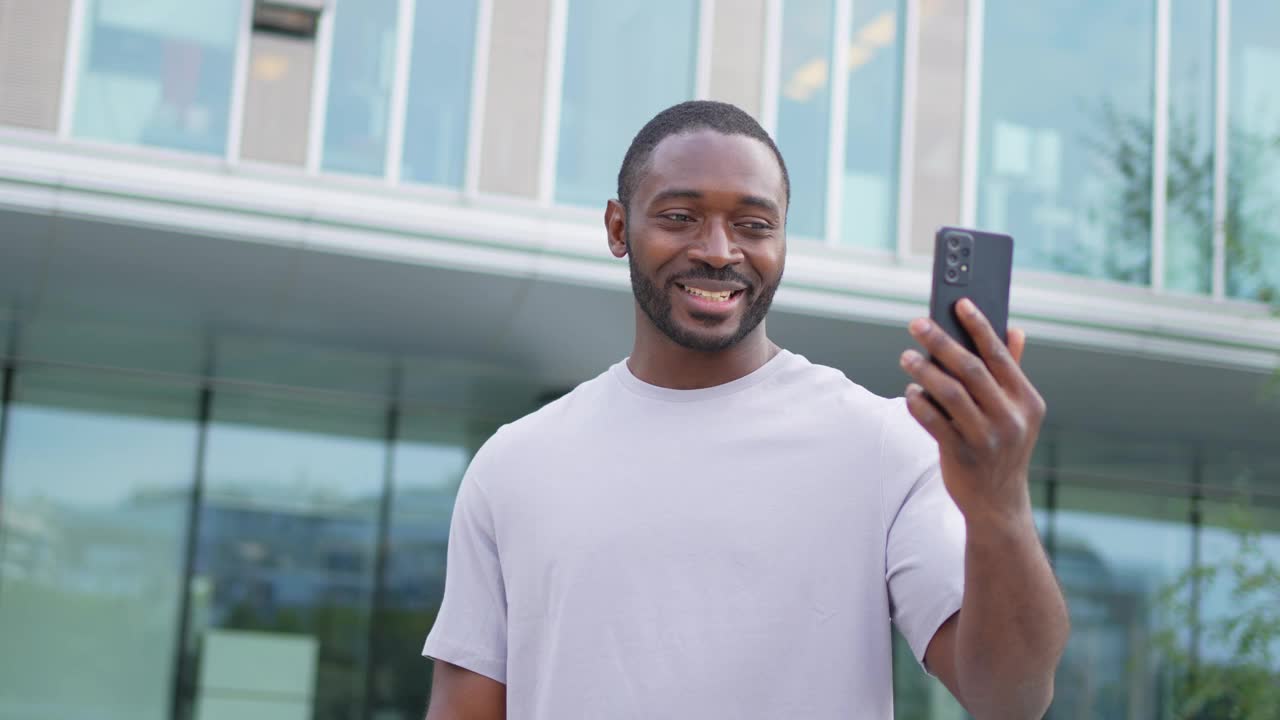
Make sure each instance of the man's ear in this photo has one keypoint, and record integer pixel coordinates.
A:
(615, 224)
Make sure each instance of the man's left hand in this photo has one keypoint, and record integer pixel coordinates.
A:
(995, 413)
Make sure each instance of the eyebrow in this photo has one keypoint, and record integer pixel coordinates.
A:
(752, 200)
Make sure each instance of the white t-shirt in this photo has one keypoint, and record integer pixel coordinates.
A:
(631, 551)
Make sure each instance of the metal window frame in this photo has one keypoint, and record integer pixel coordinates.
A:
(706, 40)
(837, 120)
(1221, 138)
(974, 32)
(479, 97)
(69, 94)
(772, 67)
(552, 96)
(1160, 146)
(397, 104)
(909, 91)
(320, 89)
(239, 84)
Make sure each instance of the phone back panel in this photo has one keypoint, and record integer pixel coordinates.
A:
(981, 274)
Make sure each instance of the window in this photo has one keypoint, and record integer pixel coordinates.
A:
(608, 94)
(277, 104)
(1253, 201)
(361, 71)
(158, 73)
(1189, 184)
(1064, 162)
(439, 102)
(98, 472)
(284, 564)
(804, 111)
(870, 184)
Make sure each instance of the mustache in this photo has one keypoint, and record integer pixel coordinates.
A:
(725, 274)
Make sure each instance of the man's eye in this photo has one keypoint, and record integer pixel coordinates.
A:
(678, 217)
(756, 226)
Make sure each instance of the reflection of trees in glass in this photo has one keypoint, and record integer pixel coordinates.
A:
(1123, 143)
(1247, 687)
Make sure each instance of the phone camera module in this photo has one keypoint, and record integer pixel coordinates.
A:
(952, 258)
(952, 274)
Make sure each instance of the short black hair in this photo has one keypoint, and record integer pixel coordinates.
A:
(688, 116)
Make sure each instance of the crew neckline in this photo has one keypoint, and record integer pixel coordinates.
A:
(628, 380)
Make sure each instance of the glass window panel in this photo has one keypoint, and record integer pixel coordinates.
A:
(608, 94)
(98, 472)
(1065, 135)
(1240, 600)
(804, 111)
(435, 142)
(1253, 197)
(1189, 188)
(871, 138)
(1116, 555)
(361, 70)
(158, 73)
(429, 459)
(287, 540)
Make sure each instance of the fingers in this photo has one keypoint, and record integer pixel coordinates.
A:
(997, 356)
(963, 365)
(933, 421)
(1017, 343)
(965, 416)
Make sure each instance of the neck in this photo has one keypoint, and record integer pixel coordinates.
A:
(658, 360)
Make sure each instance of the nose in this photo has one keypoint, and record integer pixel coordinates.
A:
(715, 246)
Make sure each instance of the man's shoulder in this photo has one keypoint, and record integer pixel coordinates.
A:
(555, 422)
(808, 385)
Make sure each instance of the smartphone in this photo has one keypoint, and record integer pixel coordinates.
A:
(973, 264)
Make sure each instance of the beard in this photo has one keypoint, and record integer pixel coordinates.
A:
(656, 303)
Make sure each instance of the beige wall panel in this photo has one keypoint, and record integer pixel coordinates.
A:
(277, 103)
(33, 45)
(737, 54)
(939, 105)
(512, 137)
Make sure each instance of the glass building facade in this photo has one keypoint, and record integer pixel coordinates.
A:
(267, 535)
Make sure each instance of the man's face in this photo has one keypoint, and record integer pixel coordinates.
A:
(705, 237)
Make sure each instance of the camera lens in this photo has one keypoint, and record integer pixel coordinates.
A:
(952, 274)
(953, 242)
(952, 258)
(964, 252)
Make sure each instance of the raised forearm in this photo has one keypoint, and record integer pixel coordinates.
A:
(1013, 625)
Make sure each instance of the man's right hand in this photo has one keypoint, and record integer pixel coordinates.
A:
(459, 694)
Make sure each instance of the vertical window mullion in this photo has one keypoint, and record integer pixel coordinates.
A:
(838, 121)
(1160, 147)
(1222, 36)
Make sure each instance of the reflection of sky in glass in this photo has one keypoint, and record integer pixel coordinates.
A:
(871, 137)
(83, 553)
(360, 75)
(1066, 83)
(98, 460)
(804, 110)
(435, 136)
(625, 60)
(158, 72)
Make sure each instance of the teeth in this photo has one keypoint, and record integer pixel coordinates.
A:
(717, 296)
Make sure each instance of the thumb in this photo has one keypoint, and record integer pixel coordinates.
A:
(1017, 343)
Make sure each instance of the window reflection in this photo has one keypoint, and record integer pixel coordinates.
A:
(158, 73)
(430, 456)
(1189, 188)
(608, 95)
(287, 536)
(1253, 223)
(871, 137)
(1116, 554)
(97, 477)
(804, 110)
(361, 71)
(1065, 135)
(435, 140)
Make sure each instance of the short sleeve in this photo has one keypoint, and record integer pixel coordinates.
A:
(924, 548)
(471, 628)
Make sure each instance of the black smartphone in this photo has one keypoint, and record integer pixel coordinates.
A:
(973, 264)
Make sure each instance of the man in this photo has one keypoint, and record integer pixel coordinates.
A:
(715, 527)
